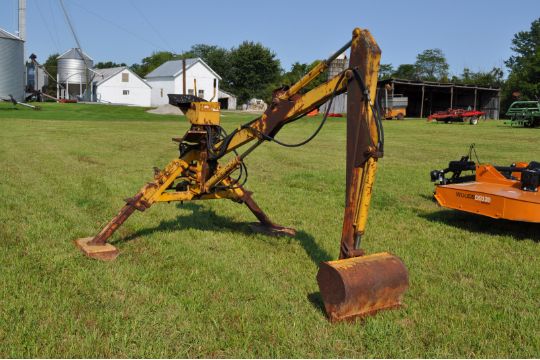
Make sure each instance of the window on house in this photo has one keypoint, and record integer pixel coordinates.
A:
(201, 94)
(161, 92)
(125, 92)
(190, 92)
(125, 77)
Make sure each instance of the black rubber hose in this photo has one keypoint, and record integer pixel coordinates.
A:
(323, 121)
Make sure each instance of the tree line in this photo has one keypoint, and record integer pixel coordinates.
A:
(248, 71)
(431, 65)
(253, 70)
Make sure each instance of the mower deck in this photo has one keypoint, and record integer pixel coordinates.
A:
(491, 194)
(493, 200)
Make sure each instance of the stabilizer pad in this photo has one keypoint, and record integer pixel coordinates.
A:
(105, 252)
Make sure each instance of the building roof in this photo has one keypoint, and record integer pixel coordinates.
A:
(102, 75)
(174, 68)
(74, 53)
(7, 35)
(171, 68)
(436, 84)
(224, 94)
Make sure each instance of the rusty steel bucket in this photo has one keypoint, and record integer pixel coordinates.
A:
(361, 286)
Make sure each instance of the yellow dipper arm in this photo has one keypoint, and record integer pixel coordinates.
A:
(364, 141)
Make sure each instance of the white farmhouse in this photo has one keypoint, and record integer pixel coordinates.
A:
(168, 79)
(120, 85)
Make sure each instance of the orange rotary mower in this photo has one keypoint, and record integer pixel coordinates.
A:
(500, 192)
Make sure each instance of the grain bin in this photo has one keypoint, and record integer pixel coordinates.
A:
(72, 72)
(11, 66)
(339, 104)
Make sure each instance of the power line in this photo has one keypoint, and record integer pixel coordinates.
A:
(14, 16)
(68, 20)
(53, 39)
(150, 25)
(55, 27)
(118, 26)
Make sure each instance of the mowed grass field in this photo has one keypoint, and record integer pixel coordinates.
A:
(193, 281)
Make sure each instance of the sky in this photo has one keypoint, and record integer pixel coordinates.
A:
(473, 34)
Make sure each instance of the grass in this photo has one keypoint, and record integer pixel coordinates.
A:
(192, 281)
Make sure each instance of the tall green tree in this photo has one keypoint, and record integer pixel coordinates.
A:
(524, 66)
(254, 71)
(493, 78)
(385, 71)
(405, 71)
(298, 70)
(107, 64)
(216, 57)
(431, 65)
(51, 65)
(152, 62)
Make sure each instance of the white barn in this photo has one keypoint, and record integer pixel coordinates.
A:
(168, 79)
(120, 85)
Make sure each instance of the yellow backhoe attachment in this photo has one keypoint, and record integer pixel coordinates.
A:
(355, 285)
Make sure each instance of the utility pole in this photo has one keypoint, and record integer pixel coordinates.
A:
(22, 35)
(22, 20)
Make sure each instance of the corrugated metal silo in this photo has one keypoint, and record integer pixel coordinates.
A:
(339, 104)
(337, 66)
(11, 66)
(72, 71)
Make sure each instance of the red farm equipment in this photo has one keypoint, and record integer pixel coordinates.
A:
(457, 115)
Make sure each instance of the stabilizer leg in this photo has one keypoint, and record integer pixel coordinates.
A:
(97, 247)
(265, 225)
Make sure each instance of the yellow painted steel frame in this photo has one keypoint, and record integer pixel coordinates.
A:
(156, 191)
